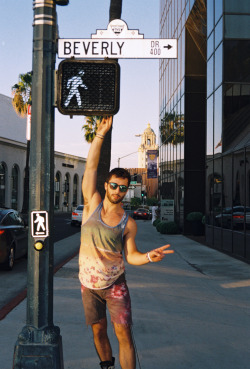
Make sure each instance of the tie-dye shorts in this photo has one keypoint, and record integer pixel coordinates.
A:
(115, 297)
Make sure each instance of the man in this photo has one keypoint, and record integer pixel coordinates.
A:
(107, 232)
(154, 213)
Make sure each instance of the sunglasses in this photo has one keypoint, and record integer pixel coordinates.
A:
(113, 186)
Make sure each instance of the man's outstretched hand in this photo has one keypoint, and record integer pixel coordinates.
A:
(105, 125)
(158, 254)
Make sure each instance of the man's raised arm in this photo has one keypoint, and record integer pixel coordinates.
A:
(90, 174)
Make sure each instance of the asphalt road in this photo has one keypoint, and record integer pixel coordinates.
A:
(14, 282)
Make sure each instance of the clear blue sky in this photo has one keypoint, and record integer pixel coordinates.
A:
(139, 78)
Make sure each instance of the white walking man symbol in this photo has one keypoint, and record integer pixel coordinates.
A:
(40, 222)
(73, 84)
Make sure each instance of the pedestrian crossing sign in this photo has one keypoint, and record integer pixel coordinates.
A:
(88, 87)
(39, 224)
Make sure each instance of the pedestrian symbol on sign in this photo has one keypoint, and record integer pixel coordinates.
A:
(39, 224)
(73, 85)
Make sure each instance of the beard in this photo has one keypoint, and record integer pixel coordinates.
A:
(116, 200)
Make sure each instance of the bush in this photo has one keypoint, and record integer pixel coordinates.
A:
(151, 201)
(158, 226)
(169, 228)
(156, 221)
(195, 215)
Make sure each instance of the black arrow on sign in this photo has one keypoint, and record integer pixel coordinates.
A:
(168, 47)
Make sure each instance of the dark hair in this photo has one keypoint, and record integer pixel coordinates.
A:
(119, 173)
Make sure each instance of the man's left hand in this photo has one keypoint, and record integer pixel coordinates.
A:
(158, 254)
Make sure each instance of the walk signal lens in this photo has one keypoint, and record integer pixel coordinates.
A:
(88, 87)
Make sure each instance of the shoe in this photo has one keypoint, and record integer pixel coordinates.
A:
(108, 364)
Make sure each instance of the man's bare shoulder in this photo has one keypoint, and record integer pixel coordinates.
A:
(131, 226)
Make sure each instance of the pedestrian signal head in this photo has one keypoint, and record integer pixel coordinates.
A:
(88, 87)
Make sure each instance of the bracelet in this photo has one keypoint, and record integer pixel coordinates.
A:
(149, 258)
(100, 136)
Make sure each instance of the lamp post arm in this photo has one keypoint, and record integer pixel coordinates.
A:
(125, 157)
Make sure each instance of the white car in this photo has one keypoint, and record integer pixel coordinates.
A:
(76, 217)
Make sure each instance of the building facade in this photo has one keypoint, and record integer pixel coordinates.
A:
(69, 169)
(139, 176)
(148, 142)
(205, 120)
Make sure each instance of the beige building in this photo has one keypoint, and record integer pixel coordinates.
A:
(148, 142)
(69, 169)
(140, 175)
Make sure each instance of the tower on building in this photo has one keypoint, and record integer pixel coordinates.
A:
(148, 142)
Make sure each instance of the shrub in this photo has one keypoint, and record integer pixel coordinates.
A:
(169, 228)
(195, 215)
(156, 221)
(159, 225)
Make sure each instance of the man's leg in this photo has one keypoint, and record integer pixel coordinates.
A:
(126, 346)
(101, 340)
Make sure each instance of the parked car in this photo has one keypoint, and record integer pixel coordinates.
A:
(142, 213)
(236, 215)
(13, 237)
(76, 217)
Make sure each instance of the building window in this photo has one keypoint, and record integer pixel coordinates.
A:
(2, 183)
(14, 187)
(218, 121)
(57, 190)
(66, 190)
(75, 192)
(218, 10)
(218, 67)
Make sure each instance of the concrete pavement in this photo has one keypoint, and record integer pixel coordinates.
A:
(190, 311)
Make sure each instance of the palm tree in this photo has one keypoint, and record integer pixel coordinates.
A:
(104, 163)
(115, 9)
(90, 128)
(21, 92)
(172, 128)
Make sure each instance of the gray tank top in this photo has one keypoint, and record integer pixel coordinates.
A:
(100, 258)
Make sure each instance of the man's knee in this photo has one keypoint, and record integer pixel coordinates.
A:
(100, 329)
(123, 334)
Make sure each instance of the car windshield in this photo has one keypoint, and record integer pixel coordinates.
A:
(80, 207)
(2, 214)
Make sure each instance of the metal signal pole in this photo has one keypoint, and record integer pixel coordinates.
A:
(39, 345)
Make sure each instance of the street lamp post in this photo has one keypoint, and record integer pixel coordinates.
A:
(39, 345)
(135, 152)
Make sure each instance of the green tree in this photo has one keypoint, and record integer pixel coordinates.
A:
(172, 128)
(115, 10)
(90, 128)
(135, 202)
(21, 93)
(151, 201)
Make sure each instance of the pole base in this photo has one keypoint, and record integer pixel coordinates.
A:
(38, 349)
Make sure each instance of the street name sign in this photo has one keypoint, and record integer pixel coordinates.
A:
(118, 49)
(117, 42)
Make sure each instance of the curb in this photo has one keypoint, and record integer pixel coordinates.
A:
(22, 295)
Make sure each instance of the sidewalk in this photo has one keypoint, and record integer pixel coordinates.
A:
(192, 310)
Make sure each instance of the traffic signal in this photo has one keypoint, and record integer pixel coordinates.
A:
(88, 87)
